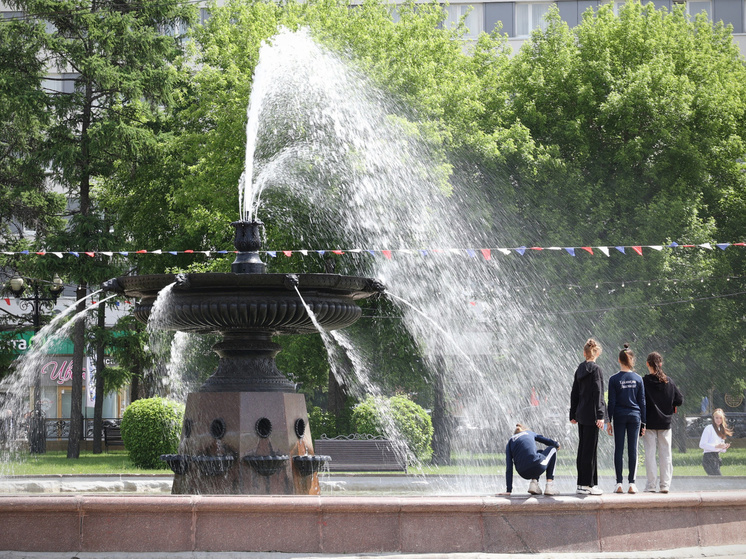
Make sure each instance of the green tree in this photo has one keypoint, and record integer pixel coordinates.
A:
(637, 124)
(122, 68)
(25, 199)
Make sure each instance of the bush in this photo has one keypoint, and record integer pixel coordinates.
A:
(322, 423)
(151, 427)
(396, 417)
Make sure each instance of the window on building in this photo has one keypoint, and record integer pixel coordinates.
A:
(529, 16)
(204, 15)
(473, 18)
(693, 8)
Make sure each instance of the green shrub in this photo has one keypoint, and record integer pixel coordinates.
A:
(396, 417)
(151, 427)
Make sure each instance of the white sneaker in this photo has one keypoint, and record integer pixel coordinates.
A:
(632, 488)
(618, 488)
(533, 487)
(583, 490)
(549, 488)
(596, 490)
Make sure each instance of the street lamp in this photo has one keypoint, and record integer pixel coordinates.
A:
(35, 301)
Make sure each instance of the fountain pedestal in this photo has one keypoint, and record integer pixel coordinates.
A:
(246, 431)
(247, 441)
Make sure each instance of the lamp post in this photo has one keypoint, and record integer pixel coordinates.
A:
(35, 301)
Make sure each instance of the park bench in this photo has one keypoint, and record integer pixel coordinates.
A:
(361, 455)
(113, 437)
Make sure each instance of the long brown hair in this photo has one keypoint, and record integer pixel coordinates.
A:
(722, 430)
(656, 362)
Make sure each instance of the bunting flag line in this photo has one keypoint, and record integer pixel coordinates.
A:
(486, 253)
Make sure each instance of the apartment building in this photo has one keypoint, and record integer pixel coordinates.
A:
(520, 17)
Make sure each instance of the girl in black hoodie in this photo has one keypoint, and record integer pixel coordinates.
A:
(588, 410)
(661, 399)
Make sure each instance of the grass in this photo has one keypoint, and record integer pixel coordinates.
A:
(117, 462)
(56, 462)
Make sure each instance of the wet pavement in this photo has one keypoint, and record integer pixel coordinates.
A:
(345, 484)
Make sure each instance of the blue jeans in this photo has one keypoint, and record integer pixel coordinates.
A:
(630, 426)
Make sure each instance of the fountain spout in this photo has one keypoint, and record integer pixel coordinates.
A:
(113, 285)
(248, 241)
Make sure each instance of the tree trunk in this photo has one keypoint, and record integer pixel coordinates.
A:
(98, 405)
(76, 411)
(441, 425)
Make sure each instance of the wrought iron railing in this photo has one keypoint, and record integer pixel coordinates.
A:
(59, 428)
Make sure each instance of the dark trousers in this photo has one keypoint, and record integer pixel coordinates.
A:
(587, 451)
(711, 462)
(629, 426)
(547, 465)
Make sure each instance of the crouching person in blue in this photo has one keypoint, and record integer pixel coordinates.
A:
(529, 462)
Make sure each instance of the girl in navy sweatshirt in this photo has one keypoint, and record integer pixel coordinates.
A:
(627, 412)
(529, 462)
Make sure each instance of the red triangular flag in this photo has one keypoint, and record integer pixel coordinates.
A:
(91, 254)
(387, 254)
(190, 251)
(287, 253)
(486, 253)
(638, 250)
(338, 252)
(587, 249)
(141, 252)
(7, 300)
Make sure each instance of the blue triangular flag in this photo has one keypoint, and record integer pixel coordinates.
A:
(424, 252)
(722, 246)
(570, 250)
(75, 254)
(620, 249)
(125, 253)
(321, 252)
(471, 253)
(520, 250)
(173, 252)
(272, 253)
(674, 244)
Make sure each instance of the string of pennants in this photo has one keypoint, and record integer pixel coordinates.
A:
(486, 253)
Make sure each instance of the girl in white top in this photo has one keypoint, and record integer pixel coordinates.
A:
(713, 442)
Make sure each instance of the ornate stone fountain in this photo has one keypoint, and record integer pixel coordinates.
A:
(246, 430)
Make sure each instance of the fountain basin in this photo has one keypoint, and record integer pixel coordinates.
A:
(307, 524)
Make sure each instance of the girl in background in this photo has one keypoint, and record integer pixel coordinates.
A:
(661, 400)
(627, 412)
(713, 442)
(587, 411)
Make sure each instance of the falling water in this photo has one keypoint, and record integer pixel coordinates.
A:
(17, 386)
(319, 132)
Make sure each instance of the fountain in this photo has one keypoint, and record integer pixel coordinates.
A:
(246, 430)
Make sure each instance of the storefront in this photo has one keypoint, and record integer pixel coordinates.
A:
(56, 373)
